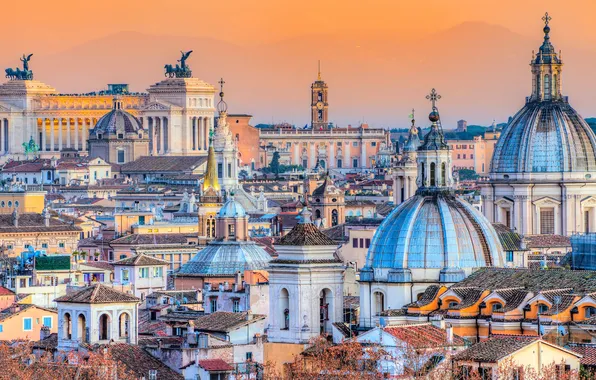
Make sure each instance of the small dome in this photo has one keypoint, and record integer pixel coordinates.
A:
(232, 209)
(117, 121)
(547, 136)
(434, 231)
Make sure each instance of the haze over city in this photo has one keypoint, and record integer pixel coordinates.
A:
(379, 58)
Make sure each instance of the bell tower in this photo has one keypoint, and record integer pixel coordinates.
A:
(319, 105)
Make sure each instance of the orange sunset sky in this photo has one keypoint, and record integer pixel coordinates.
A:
(379, 57)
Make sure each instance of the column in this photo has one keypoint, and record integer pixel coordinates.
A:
(60, 134)
(363, 158)
(166, 134)
(296, 154)
(398, 183)
(313, 158)
(195, 132)
(84, 135)
(347, 162)
(151, 131)
(2, 137)
(207, 127)
(68, 126)
(200, 133)
(44, 142)
(76, 134)
(52, 140)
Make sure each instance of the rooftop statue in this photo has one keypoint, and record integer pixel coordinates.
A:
(18, 74)
(179, 71)
(30, 148)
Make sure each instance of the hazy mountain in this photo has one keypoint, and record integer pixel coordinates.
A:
(480, 70)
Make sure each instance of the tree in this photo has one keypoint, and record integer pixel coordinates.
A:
(274, 165)
(467, 175)
(243, 174)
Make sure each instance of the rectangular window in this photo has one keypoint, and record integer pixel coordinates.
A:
(152, 374)
(355, 144)
(219, 170)
(1, 328)
(304, 164)
(354, 243)
(464, 156)
(339, 163)
(355, 163)
(459, 156)
(27, 324)
(26, 245)
(367, 243)
(231, 230)
(61, 244)
(464, 146)
(143, 272)
(373, 144)
(471, 156)
(547, 221)
(125, 275)
(236, 306)
(249, 356)
(157, 272)
(120, 156)
(47, 321)
(44, 245)
(361, 243)
(509, 257)
(229, 170)
(213, 304)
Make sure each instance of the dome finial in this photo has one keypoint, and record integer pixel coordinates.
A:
(546, 18)
(433, 97)
(319, 71)
(222, 106)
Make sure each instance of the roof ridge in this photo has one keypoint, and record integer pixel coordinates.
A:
(95, 291)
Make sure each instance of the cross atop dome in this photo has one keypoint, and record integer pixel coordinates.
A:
(546, 18)
(222, 106)
(433, 97)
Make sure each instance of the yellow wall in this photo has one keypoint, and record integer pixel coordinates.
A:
(30, 201)
(279, 354)
(12, 327)
(540, 354)
(124, 221)
(165, 229)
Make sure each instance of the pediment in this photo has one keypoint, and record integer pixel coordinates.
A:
(546, 201)
(504, 201)
(4, 108)
(156, 106)
(450, 293)
(589, 201)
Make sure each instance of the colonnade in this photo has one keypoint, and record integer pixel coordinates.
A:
(4, 137)
(56, 134)
(199, 133)
(160, 136)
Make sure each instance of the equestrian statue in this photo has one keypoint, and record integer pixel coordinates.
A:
(18, 74)
(181, 70)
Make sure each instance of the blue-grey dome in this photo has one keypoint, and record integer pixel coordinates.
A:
(226, 258)
(433, 230)
(545, 136)
(232, 209)
(117, 121)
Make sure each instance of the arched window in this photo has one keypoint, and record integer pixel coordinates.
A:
(82, 328)
(322, 163)
(542, 308)
(452, 304)
(317, 214)
(590, 311)
(497, 306)
(334, 217)
(432, 174)
(379, 302)
(443, 174)
(285, 309)
(124, 325)
(422, 174)
(67, 326)
(104, 327)
(555, 85)
(547, 87)
(325, 304)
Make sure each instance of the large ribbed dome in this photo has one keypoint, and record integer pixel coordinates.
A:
(117, 121)
(433, 230)
(545, 136)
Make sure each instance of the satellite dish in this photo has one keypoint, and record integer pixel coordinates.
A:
(382, 322)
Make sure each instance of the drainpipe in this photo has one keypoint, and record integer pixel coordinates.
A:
(480, 307)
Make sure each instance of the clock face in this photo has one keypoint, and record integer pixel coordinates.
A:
(320, 105)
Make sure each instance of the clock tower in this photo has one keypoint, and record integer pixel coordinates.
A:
(319, 106)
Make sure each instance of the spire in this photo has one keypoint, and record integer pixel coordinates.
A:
(305, 216)
(413, 141)
(319, 71)
(434, 140)
(222, 106)
(210, 180)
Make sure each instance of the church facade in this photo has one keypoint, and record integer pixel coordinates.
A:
(177, 112)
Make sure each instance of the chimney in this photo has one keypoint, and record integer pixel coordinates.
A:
(438, 322)
(449, 331)
(190, 333)
(238, 281)
(44, 332)
(15, 217)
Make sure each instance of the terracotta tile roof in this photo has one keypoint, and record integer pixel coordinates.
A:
(547, 241)
(141, 260)
(99, 265)
(513, 298)
(6, 292)
(351, 302)
(174, 164)
(588, 353)
(336, 233)
(423, 336)
(140, 362)
(385, 209)
(530, 279)
(215, 365)
(305, 234)
(427, 297)
(510, 240)
(495, 349)
(49, 344)
(393, 313)
(468, 296)
(97, 293)
(8, 313)
(267, 244)
(30, 222)
(145, 239)
(223, 321)
(359, 203)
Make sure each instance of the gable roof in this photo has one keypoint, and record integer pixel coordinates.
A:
(140, 362)
(547, 241)
(154, 239)
(174, 164)
(496, 348)
(215, 365)
(141, 260)
(98, 293)
(423, 336)
(223, 321)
